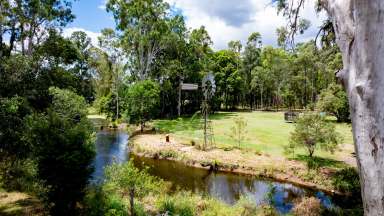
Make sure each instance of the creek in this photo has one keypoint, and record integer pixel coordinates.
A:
(112, 146)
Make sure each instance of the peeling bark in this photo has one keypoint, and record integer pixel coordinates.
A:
(359, 32)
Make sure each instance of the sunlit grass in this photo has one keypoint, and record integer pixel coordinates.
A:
(266, 132)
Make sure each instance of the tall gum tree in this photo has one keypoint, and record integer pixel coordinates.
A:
(358, 27)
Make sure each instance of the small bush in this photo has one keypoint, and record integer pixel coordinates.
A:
(116, 206)
(347, 180)
(167, 206)
(98, 202)
(312, 132)
(248, 206)
(267, 210)
(181, 204)
(168, 154)
(139, 210)
(20, 175)
(308, 207)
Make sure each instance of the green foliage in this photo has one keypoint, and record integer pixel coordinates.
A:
(168, 154)
(126, 179)
(16, 171)
(235, 46)
(176, 206)
(144, 37)
(40, 16)
(238, 130)
(312, 131)
(63, 148)
(98, 202)
(107, 105)
(141, 101)
(12, 114)
(334, 100)
(228, 78)
(101, 105)
(139, 210)
(347, 180)
(102, 66)
(248, 206)
(250, 60)
(20, 175)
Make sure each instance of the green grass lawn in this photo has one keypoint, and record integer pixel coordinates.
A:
(267, 132)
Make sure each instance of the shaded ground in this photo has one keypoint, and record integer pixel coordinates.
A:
(15, 203)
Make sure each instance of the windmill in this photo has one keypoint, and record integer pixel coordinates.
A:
(209, 88)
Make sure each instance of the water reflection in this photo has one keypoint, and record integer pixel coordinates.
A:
(111, 146)
(226, 187)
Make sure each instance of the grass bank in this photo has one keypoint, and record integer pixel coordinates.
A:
(266, 132)
(261, 154)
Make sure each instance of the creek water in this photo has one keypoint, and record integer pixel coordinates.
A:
(111, 146)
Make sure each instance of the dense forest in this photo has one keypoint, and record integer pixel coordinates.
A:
(134, 74)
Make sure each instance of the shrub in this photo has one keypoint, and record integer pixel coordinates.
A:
(182, 204)
(308, 207)
(126, 179)
(97, 202)
(239, 131)
(248, 206)
(141, 102)
(334, 100)
(20, 175)
(347, 180)
(168, 154)
(139, 210)
(312, 131)
(63, 149)
(167, 206)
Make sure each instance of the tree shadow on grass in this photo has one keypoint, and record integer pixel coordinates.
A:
(180, 124)
(190, 123)
(221, 115)
(27, 206)
(321, 162)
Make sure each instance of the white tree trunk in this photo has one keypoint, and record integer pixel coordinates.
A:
(359, 27)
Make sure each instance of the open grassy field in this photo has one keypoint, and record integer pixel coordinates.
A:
(266, 132)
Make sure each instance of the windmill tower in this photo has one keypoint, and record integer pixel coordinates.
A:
(209, 88)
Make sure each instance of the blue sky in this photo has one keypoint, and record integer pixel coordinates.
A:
(91, 16)
(224, 20)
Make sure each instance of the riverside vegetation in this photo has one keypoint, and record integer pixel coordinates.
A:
(132, 76)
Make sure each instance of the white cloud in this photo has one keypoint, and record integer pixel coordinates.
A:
(102, 6)
(227, 20)
(93, 35)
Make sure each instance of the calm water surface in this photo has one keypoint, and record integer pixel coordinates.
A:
(111, 146)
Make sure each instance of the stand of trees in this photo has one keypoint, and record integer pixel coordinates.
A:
(134, 73)
(158, 46)
(46, 142)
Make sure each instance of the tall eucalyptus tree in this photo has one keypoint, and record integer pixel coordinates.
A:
(143, 27)
(358, 27)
